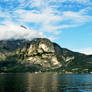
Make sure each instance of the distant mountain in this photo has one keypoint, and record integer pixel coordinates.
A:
(40, 55)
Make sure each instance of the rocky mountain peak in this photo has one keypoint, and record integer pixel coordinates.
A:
(41, 45)
(41, 51)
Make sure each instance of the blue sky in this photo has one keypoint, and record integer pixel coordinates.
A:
(66, 22)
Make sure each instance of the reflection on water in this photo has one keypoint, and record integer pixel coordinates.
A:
(45, 82)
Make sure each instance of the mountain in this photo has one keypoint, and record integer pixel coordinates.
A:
(40, 55)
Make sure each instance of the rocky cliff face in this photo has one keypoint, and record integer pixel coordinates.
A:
(41, 51)
(40, 54)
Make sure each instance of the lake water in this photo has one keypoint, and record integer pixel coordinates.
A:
(45, 82)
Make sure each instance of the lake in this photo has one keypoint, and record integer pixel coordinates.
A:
(45, 82)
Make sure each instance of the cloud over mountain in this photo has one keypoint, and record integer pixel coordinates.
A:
(13, 31)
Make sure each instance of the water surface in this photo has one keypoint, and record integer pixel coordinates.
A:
(45, 82)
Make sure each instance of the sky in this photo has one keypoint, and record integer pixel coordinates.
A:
(66, 22)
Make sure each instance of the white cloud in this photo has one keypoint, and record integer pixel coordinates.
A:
(78, 1)
(37, 3)
(13, 31)
(47, 17)
(4, 14)
(35, 16)
(44, 14)
(76, 17)
(52, 38)
(87, 51)
(56, 29)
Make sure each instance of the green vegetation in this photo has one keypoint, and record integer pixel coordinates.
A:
(41, 55)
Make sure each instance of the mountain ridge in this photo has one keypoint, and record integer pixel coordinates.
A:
(40, 54)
